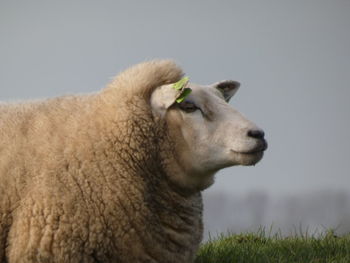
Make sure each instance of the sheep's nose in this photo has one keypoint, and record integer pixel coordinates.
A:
(257, 134)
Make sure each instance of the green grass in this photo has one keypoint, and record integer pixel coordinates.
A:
(261, 248)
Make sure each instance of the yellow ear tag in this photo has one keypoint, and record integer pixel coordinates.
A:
(180, 85)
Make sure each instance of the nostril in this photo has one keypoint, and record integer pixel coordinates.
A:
(257, 134)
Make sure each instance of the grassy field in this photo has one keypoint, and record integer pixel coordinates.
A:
(252, 248)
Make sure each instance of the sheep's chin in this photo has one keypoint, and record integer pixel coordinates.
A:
(247, 159)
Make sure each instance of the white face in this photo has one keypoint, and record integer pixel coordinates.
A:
(209, 133)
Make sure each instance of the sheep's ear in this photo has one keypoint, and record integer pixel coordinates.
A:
(165, 96)
(228, 88)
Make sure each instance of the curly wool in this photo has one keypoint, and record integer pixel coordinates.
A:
(83, 178)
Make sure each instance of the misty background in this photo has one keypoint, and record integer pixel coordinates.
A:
(292, 58)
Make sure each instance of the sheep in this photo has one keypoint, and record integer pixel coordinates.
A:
(117, 175)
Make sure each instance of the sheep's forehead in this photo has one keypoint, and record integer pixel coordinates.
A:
(206, 96)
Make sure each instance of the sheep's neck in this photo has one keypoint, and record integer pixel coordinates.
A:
(159, 213)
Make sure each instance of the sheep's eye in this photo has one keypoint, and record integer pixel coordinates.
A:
(188, 106)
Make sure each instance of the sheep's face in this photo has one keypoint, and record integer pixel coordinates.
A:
(208, 133)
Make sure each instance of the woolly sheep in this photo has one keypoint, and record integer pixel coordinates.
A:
(116, 176)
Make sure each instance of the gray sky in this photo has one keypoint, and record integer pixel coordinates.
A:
(292, 58)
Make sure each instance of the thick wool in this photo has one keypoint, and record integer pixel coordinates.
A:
(83, 178)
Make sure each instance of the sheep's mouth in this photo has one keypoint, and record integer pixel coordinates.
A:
(260, 148)
(249, 153)
(251, 156)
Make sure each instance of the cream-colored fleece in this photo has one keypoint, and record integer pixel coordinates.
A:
(83, 178)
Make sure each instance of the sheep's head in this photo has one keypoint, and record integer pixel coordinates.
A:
(207, 133)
